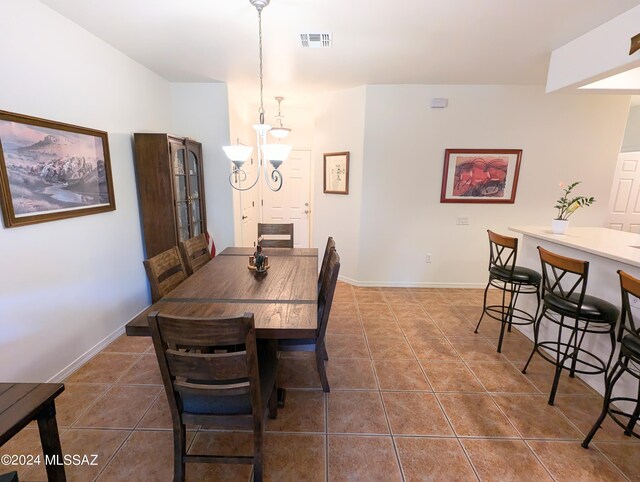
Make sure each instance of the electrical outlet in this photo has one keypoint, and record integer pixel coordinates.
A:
(427, 258)
(462, 221)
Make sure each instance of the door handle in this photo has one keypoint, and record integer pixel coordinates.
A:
(245, 217)
(307, 211)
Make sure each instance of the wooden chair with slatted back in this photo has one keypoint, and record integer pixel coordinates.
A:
(331, 244)
(165, 271)
(195, 253)
(325, 299)
(266, 233)
(220, 389)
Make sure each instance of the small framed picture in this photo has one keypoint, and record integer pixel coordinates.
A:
(50, 170)
(480, 175)
(336, 173)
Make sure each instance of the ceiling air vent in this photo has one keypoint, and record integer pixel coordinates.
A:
(316, 40)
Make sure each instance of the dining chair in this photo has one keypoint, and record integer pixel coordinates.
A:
(573, 314)
(195, 253)
(624, 411)
(325, 299)
(222, 390)
(512, 281)
(268, 231)
(331, 244)
(165, 271)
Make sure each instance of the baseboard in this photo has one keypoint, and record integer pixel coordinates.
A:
(410, 284)
(89, 354)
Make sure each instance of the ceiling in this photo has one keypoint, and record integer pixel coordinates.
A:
(374, 41)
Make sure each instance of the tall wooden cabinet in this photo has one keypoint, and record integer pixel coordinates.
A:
(170, 190)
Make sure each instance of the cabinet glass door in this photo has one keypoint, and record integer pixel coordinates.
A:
(181, 190)
(195, 199)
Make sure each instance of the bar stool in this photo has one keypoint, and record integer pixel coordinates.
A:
(566, 305)
(512, 280)
(628, 362)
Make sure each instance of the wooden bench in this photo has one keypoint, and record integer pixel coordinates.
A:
(20, 403)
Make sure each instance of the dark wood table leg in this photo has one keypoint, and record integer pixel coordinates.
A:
(282, 396)
(51, 443)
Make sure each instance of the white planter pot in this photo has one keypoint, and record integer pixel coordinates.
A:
(559, 226)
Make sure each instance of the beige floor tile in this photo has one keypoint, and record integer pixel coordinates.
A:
(103, 368)
(356, 412)
(475, 349)
(419, 328)
(471, 313)
(75, 399)
(515, 348)
(454, 327)
(501, 377)
(398, 295)
(97, 445)
(427, 348)
(400, 375)
(346, 346)
(535, 418)
(502, 460)
(415, 413)
(339, 308)
(294, 457)
(145, 371)
(433, 459)
(451, 377)
(146, 455)
(541, 374)
(299, 370)
(121, 407)
(26, 442)
(375, 310)
(158, 417)
(366, 297)
(129, 344)
(344, 325)
(360, 458)
(624, 456)
(382, 327)
(475, 415)
(568, 461)
(408, 311)
(351, 373)
(389, 348)
(303, 412)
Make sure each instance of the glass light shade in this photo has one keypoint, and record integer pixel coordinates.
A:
(276, 152)
(238, 153)
(279, 132)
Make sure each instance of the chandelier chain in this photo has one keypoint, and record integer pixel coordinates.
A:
(261, 111)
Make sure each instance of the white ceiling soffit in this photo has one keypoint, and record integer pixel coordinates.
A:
(374, 41)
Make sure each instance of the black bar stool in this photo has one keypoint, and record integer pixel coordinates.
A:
(566, 305)
(512, 280)
(628, 362)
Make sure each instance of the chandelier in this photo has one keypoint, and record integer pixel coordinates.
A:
(274, 153)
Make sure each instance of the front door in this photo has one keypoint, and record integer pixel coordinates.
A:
(624, 203)
(292, 203)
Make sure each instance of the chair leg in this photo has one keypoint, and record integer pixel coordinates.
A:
(634, 418)
(326, 354)
(610, 382)
(484, 306)
(257, 455)
(321, 368)
(179, 450)
(536, 329)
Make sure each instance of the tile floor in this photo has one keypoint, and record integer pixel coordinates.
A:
(416, 395)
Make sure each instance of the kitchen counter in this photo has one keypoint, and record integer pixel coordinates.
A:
(616, 245)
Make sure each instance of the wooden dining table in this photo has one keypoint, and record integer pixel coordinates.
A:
(283, 300)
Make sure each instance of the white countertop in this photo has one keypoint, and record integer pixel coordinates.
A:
(609, 243)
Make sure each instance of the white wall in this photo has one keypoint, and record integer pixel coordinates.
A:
(563, 137)
(68, 284)
(199, 110)
(340, 126)
(631, 140)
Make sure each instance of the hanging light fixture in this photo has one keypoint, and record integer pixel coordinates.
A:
(274, 153)
(279, 132)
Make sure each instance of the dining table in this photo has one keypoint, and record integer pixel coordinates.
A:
(283, 299)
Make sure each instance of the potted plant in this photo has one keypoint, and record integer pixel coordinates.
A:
(567, 205)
